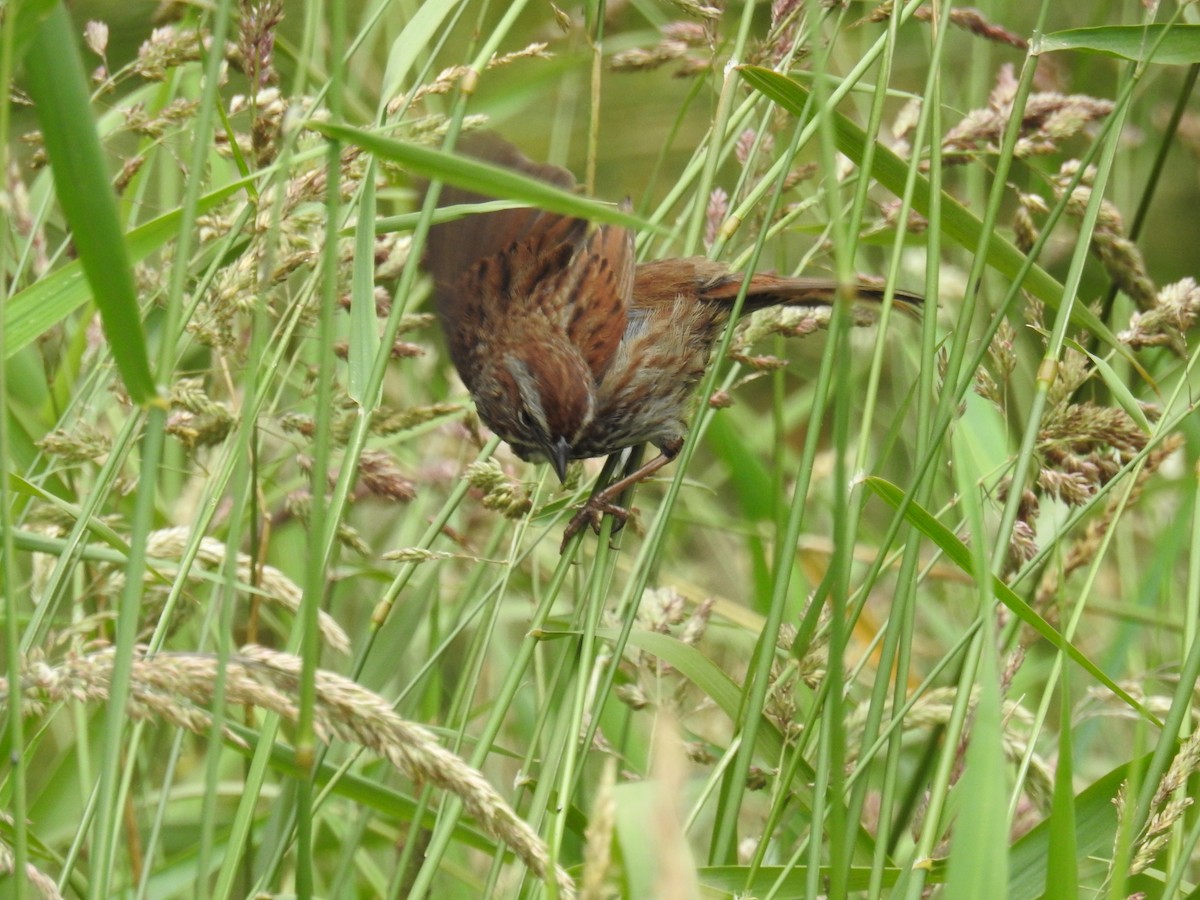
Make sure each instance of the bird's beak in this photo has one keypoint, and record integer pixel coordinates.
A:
(559, 454)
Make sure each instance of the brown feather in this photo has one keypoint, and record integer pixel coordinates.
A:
(598, 310)
(713, 282)
(569, 348)
(454, 247)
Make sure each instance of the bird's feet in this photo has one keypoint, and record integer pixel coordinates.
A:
(591, 514)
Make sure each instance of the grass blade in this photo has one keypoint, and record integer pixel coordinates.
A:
(59, 88)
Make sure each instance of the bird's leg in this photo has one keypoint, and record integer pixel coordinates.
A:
(620, 505)
(605, 501)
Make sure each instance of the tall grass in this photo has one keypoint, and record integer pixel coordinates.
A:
(913, 613)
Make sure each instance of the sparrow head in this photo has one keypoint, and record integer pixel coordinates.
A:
(543, 399)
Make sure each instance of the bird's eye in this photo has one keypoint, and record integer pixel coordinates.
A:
(524, 419)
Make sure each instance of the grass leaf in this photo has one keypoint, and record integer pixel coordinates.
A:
(57, 84)
(1180, 44)
(960, 555)
(484, 178)
(958, 223)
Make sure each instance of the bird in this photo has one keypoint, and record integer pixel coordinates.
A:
(569, 347)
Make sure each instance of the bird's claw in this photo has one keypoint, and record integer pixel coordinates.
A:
(591, 514)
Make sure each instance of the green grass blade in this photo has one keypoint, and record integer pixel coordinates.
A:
(484, 178)
(1096, 818)
(57, 83)
(49, 300)
(958, 223)
(958, 553)
(1180, 44)
(740, 881)
(1062, 873)
(978, 853)
(30, 16)
(1117, 386)
(364, 329)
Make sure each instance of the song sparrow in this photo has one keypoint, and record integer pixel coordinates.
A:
(568, 346)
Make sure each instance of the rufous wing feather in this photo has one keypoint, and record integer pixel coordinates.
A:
(452, 248)
(599, 309)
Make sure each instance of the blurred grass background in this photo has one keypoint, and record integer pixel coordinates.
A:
(698, 706)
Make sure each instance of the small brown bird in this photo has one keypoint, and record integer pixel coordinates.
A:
(568, 346)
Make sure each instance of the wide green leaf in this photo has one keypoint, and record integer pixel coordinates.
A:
(1095, 816)
(1170, 45)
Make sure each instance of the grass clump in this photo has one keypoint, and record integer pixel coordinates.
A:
(281, 616)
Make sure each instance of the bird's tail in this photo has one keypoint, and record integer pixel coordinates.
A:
(776, 290)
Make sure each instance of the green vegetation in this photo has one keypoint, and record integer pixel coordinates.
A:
(916, 611)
